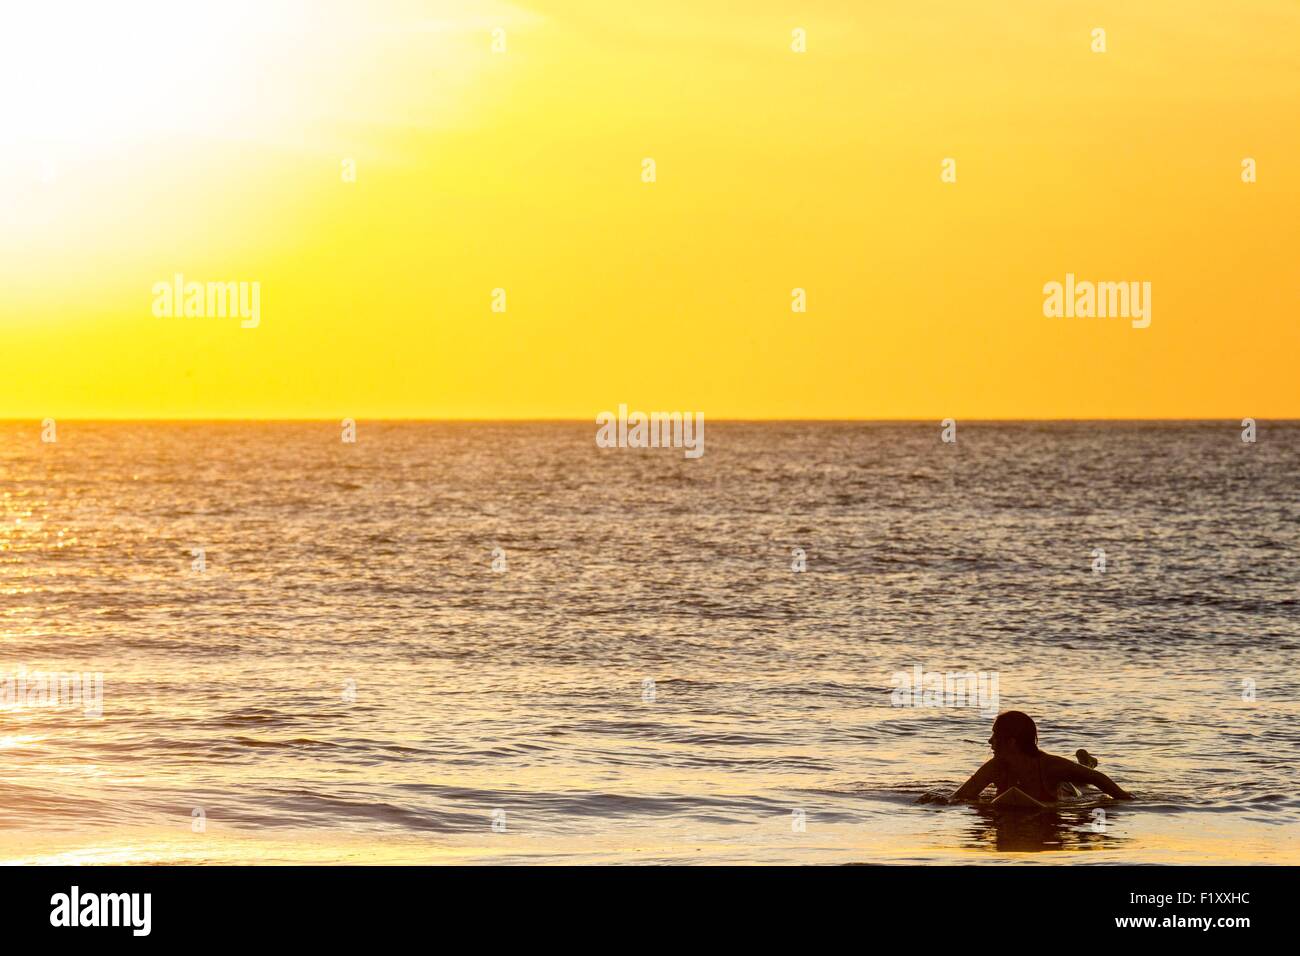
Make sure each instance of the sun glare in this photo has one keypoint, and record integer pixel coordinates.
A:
(87, 73)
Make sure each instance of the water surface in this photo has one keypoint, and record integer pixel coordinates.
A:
(348, 679)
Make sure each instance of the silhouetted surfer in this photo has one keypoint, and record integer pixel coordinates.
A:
(1018, 764)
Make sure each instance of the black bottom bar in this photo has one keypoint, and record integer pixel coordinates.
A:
(299, 904)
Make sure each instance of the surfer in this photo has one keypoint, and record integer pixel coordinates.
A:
(1018, 764)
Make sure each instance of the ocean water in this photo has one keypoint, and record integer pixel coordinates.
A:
(646, 679)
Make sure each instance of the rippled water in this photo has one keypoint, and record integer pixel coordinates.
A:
(349, 678)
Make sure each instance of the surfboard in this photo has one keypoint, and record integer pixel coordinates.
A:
(1017, 799)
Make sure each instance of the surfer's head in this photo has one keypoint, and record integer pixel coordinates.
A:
(1014, 729)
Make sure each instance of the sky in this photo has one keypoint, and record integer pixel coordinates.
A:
(379, 170)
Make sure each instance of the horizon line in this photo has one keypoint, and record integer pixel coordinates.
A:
(232, 419)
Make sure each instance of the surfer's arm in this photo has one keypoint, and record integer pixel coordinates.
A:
(1082, 774)
(973, 787)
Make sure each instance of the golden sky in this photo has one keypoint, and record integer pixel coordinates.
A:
(144, 139)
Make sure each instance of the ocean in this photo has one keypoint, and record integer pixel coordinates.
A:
(500, 643)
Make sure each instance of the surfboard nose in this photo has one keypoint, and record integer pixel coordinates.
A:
(1085, 758)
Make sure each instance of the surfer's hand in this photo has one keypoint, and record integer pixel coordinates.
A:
(1081, 774)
